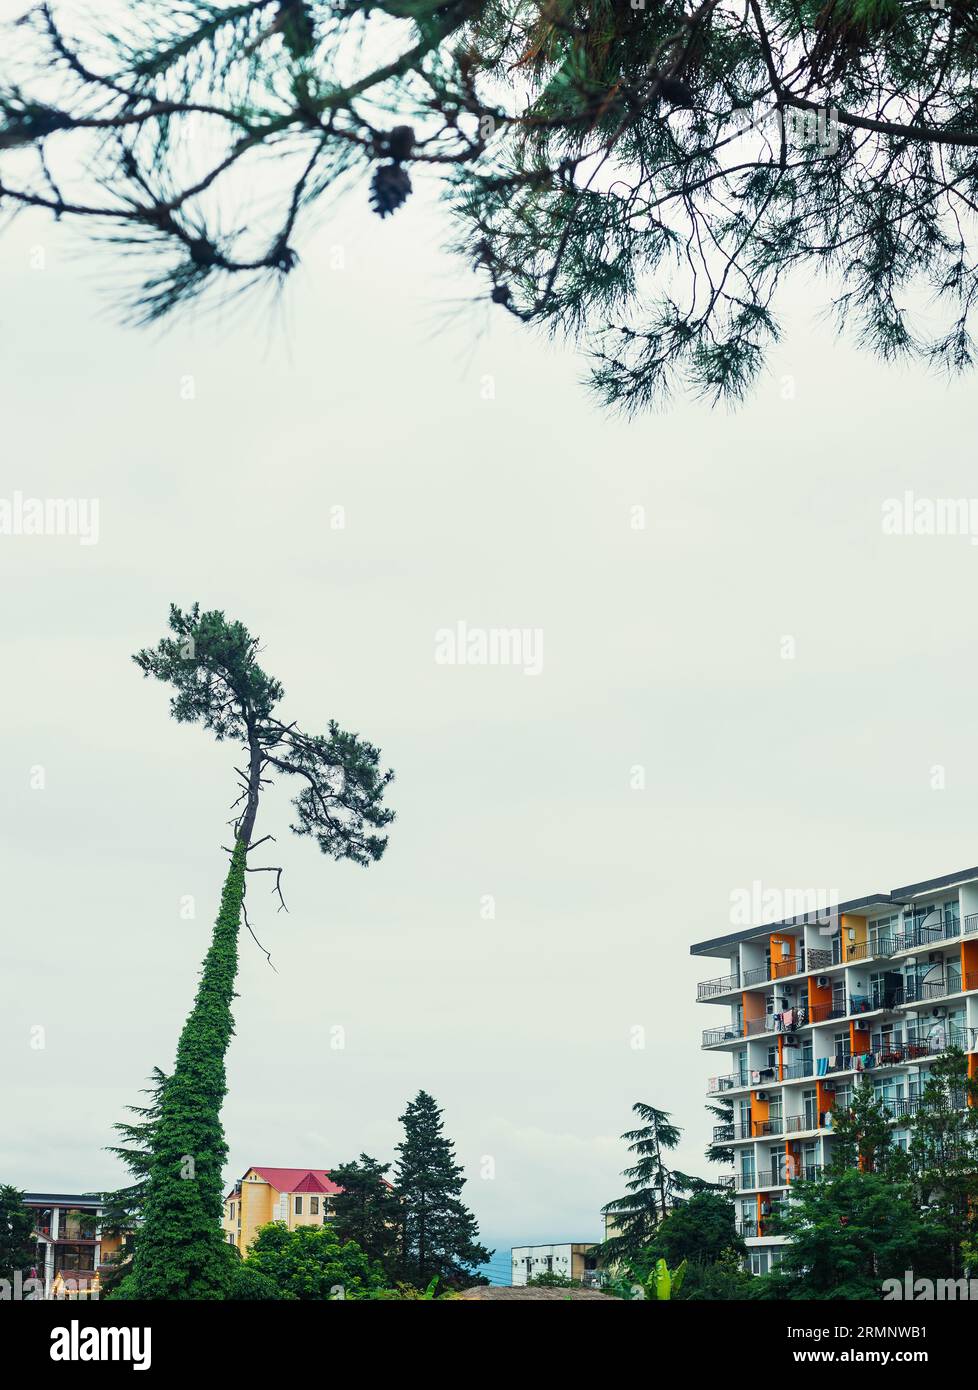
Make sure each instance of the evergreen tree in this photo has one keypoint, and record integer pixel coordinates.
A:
(722, 1111)
(212, 665)
(943, 1155)
(439, 1235)
(122, 1209)
(642, 176)
(863, 1136)
(367, 1210)
(18, 1249)
(847, 1234)
(652, 1186)
(699, 1230)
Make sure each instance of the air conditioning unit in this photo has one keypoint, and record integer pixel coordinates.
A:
(823, 982)
(760, 1095)
(828, 1085)
(939, 1012)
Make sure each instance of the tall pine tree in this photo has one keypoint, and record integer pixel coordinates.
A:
(439, 1235)
(211, 664)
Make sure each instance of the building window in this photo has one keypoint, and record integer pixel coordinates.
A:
(313, 1206)
(232, 1211)
(298, 1206)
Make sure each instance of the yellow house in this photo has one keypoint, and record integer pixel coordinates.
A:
(297, 1196)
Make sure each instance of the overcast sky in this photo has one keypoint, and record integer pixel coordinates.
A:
(479, 484)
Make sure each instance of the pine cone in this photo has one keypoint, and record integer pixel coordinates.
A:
(389, 188)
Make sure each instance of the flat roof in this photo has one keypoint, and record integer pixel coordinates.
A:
(63, 1199)
(896, 897)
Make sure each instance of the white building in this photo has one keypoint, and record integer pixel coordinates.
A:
(572, 1260)
(868, 990)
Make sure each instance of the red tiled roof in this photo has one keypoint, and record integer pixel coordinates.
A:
(294, 1180)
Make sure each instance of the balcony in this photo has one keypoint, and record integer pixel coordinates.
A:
(822, 1013)
(756, 975)
(765, 1177)
(718, 1084)
(796, 1071)
(791, 965)
(713, 1037)
(970, 924)
(711, 989)
(753, 1026)
(797, 1124)
(921, 991)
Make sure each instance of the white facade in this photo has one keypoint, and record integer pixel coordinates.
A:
(873, 991)
(530, 1261)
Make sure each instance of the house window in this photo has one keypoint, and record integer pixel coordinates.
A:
(232, 1211)
(313, 1206)
(298, 1206)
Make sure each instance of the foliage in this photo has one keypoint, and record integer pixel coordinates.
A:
(549, 1280)
(123, 1209)
(864, 1134)
(663, 1282)
(439, 1235)
(211, 664)
(848, 1233)
(641, 177)
(701, 1230)
(652, 1186)
(367, 1209)
(943, 1154)
(18, 1250)
(311, 1263)
(181, 1253)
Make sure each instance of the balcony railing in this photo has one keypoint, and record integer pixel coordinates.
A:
(709, 989)
(796, 1124)
(795, 1071)
(712, 1037)
(970, 924)
(791, 965)
(821, 1013)
(754, 1026)
(718, 1084)
(756, 975)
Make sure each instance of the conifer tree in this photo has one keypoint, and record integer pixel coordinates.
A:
(642, 176)
(439, 1235)
(212, 665)
(18, 1251)
(653, 1187)
(367, 1210)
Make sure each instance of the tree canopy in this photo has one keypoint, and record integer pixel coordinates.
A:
(640, 175)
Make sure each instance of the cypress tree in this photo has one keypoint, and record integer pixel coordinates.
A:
(439, 1235)
(212, 665)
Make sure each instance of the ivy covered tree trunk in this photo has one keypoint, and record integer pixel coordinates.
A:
(180, 1251)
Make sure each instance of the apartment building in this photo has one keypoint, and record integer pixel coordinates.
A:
(873, 989)
(297, 1196)
(71, 1246)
